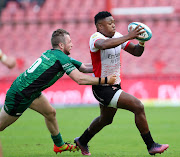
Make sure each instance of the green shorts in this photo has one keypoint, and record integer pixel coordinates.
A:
(16, 103)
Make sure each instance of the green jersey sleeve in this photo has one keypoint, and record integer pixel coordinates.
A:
(66, 63)
(76, 63)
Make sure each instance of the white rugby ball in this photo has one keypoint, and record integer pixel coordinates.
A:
(146, 35)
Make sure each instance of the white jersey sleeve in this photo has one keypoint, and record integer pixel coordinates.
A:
(96, 36)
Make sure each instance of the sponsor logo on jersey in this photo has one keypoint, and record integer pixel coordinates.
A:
(70, 69)
(45, 57)
(65, 65)
(110, 56)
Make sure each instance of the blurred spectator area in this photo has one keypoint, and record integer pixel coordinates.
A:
(26, 27)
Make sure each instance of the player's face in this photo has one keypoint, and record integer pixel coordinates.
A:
(108, 26)
(68, 45)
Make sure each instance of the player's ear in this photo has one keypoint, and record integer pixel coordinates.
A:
(61, 45)
(99, 26)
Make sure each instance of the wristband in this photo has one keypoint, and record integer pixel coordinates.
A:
(0, 54)
(3, 58)
(105, 80)
(99, 80)
(141, 44)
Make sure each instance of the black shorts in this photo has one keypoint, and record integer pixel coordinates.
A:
(105, 93)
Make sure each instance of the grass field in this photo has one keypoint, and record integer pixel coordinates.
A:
(29, 137)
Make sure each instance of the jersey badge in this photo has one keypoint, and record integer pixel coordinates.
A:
(95, 35)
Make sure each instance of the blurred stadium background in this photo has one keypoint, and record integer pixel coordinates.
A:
(26, 27)
(25, 31)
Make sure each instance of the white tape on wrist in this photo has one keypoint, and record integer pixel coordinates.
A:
(3, 58)
(141, 44)
(0, 52)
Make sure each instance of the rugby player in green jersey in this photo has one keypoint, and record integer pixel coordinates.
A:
(25, 92)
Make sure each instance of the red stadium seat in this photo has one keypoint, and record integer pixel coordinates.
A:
(31, 15)
(5, 16)
(19, 15)
(33, 35)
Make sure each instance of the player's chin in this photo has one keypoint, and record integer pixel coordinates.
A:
(67, 52)
(113, 32)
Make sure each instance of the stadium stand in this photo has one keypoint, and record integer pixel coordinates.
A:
(27, 31)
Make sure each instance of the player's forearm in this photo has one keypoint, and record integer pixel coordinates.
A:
(89, 80)
(86, 68)
(138, 50)
(88, 65)
(83, 79)
(89, 68)
(111, 43)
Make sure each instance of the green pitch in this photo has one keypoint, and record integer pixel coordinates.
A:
(29, 137)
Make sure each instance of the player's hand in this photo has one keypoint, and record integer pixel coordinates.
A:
(134, 33)
(111, 79)
(10, 62)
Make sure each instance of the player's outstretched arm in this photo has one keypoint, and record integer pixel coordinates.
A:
(83, 79)
(114, 42)
(8, 61)
(86, 68)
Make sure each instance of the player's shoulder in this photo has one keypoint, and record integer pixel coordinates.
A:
(58, 52)
(96, 35)
(72, 59)
(59, 55)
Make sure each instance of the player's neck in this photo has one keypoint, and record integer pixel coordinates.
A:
(57, 48)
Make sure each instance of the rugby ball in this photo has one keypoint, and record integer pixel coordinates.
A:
(146, 35)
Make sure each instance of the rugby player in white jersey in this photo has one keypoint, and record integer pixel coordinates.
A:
(105, 47)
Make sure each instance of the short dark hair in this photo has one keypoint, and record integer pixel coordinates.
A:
(58, 36)
(101, 15)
